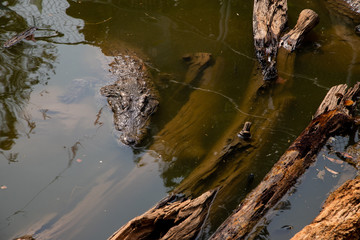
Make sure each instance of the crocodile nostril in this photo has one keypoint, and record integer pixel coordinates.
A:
(130, 140)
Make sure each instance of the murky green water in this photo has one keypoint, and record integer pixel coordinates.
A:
(62, 171)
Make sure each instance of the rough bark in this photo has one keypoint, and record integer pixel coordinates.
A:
(331, 119)
(307, 20)
(339, 217)
(269, 19)
(175, 217)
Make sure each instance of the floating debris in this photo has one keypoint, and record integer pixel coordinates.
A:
(25, 237)
(78, 160)
(331, 139)
(287, 227)
(331, 171)
(3, 187)
(27, 34)
(347, 155)
(321, 174)
(337, 161)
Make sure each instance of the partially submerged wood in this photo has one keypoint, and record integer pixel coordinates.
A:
(334, 119)
(307, 20)
(175, 217)
(339, 217)
(269, 19)
(27, 34)
(232, 156)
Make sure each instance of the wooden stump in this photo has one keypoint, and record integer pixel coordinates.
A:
(333, 117)
(307, 20)
(269, 19)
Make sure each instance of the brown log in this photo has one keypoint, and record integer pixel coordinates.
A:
(307, 20)
(175, 217)
(269, 19)
(339, 217)
(333, 117)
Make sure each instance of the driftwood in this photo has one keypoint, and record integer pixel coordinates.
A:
(269, 19)
(307, 20)
(175, 217)
(340, 216)
(334, 116)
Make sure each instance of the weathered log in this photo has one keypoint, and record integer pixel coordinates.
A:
(307, 20)
(175, 217)
(269, 19)
(333, 117)
(339, 217)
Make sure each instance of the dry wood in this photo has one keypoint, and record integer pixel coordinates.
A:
(269, 19)
(175, 217)
(334, 119)
(340, 216)
(307, 20)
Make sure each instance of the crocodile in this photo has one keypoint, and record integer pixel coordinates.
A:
(132, 98)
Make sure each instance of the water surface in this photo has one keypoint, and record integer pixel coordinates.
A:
(63, 172)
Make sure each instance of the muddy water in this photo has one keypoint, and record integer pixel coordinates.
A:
(64, 175)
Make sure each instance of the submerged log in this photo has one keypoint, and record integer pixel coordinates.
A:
(269, 19)
(340, 216)
(334, 116)
(175, 217)
(232, 156)
(182, 136)
(307, 20)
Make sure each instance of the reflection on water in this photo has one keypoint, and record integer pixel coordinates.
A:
(20, 69)
(66, 176)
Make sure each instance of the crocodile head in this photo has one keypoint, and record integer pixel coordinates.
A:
(133, 100)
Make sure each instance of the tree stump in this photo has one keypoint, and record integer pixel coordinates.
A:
(269, 19)
(307, 20)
